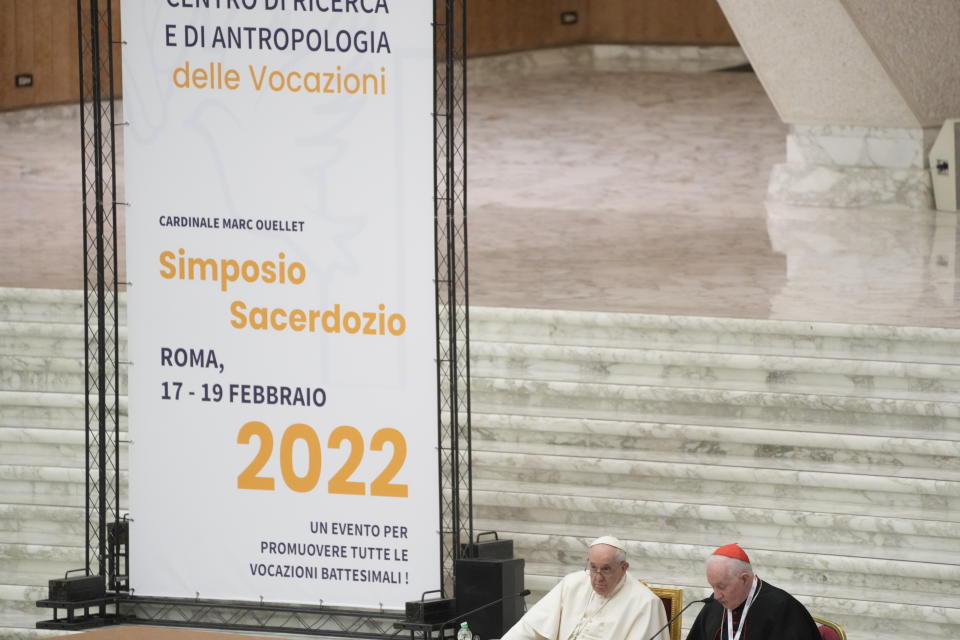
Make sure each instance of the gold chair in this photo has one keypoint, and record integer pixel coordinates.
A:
(672, 599)
(841, 634)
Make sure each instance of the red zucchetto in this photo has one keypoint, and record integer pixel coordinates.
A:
(732, 551)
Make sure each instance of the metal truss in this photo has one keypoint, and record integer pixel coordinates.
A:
(105, 530)
(101, 321)
(453, 323)
(266, 617)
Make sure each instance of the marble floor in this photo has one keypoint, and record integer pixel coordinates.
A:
(632, 188)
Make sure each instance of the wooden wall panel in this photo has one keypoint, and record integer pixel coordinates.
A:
(18, 27)
(691, 22)
(496, 26)
(44, 43)
(66, 72)
(712, 25)
(8, 46)
(45, 52)
(40, 37)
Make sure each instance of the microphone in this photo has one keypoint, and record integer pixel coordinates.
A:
(706, 600)
(463, 616)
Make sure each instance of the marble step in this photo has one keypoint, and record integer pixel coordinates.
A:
(47, 486)
(639, 366)
(20, 614)
(19, 605)
(48, 410)
(42, 373)
(34, 565)
(46, 338)
(48, 447)
(681, 404)
(808, 490)
(689, 453)
(695, 486)
(894, 455)
(29, 633)
(43, 525)
(49, 339)
(670, 522)
(35, 305)
(48, 305)
(865, 619)
(720, 335)
(43, 447)
(43, 486)
(892, 432)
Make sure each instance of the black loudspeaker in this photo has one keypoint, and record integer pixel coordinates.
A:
(481, 581)
(430, 611)
(488, 549)
(77, 588)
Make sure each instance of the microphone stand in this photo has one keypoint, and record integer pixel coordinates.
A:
(706, 600)
(460, 617)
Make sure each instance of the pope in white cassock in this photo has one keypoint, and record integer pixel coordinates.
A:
(604, 602)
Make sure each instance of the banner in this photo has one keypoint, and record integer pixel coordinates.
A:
(281, 313)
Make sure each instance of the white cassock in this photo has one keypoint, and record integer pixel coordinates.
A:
(572, 610)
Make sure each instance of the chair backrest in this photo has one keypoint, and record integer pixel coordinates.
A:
(672, 599)
(830, 630)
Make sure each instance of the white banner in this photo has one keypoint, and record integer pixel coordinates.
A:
(283, 389)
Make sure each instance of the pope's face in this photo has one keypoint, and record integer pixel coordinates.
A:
(729, 587)
(605, 571)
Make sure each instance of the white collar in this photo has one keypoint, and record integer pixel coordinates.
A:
(728, 614)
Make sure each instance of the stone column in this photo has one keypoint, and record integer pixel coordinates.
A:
(864, 86)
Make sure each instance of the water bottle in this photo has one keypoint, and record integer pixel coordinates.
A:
(464, 633)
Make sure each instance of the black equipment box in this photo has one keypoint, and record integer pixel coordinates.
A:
(119, 532)
(77, 588)
(432, 610)
(495, 549)
(497, 583)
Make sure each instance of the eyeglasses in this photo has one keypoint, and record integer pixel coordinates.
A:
(606, 572)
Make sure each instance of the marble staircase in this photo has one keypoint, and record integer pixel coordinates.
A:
(832, 452)
(42, 450)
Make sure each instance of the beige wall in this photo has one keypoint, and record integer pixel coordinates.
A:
(40, 36)
(868, 63)
(918, 45)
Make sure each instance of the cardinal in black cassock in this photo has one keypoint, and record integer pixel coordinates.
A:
(747, 608)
